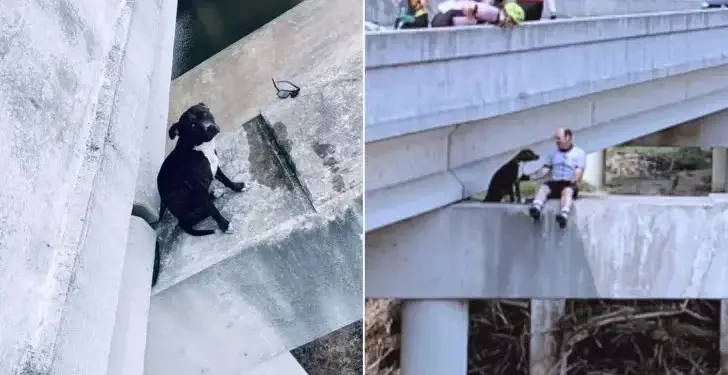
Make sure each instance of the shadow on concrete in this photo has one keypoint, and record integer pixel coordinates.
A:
(524, 257)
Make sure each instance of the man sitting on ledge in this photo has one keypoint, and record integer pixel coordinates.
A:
(566, 166)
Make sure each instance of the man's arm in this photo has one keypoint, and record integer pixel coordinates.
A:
(539, 173)
(579, 170)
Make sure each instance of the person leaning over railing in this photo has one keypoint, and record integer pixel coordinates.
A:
(465, 13)
(411, 14)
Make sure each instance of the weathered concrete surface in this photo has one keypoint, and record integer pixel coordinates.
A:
(322, 132)
(257, 297)
(282, 364)
(130, 330)
(291, 271)
(617, 247)
(286, 276)
(74, 110)
(146, 196)
(236, 83)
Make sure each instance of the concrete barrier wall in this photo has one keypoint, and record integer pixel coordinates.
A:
(75, 110)
(383, 12)
(410, 85)
(617, 247)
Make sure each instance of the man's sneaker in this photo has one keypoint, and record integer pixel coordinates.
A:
(561, 219)
(535, 212)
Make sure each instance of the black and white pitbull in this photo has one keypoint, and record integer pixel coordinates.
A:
(506, 181)
(186, 174)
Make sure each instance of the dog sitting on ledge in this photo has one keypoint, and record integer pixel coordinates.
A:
(507, 180)
(186, 174)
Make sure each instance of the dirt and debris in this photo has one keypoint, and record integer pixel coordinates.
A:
(678, 171)
(639, 337)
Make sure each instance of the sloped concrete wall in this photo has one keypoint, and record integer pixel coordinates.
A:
(73, 100)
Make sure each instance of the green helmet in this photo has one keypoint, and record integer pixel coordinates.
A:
(515, 12)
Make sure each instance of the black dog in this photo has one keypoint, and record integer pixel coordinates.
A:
(186, 175)
(506, 180)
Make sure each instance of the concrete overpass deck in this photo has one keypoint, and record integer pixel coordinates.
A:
(445, 108)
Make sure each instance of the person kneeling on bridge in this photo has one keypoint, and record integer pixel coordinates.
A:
(470, 12)
(566, 166)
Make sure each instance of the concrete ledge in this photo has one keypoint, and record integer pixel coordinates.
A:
(146, 196)
(616, 247)
(268, 295)
(282, 364)
(236, 83)
(130, 331)
(320, 132)
(272, 198)
(399, 64)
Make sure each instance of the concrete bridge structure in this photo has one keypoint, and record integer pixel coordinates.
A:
(446, 108)
(85, 102)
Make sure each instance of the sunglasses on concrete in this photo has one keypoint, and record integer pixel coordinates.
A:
(286, 93)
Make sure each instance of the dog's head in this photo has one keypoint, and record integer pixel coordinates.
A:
(195, 126)
(526, 155)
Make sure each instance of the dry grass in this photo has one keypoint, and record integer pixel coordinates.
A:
(636, 337)
(339, 352)
(498, 337)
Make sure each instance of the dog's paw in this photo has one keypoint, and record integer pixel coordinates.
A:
(224, 226)
(238, 186)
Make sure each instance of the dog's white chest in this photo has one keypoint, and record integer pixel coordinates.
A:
(208, 149)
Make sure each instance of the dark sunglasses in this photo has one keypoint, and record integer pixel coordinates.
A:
(286, 93)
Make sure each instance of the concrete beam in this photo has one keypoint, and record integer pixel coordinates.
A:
(710, 130)
(409, 175)
(130, 330)
(146, 197)
(615, 247)
(71, 184)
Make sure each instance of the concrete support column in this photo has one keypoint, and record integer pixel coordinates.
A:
(723, 337)
(434, 337)
(720, 170)
(595, 166)
(543, 350)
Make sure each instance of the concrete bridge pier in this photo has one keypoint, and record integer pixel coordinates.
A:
(594, 172)
(543, 354)
(720, 170)
(435, 337)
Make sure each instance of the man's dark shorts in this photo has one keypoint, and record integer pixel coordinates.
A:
(557, 187)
